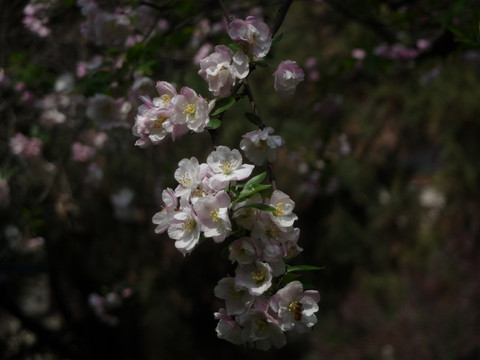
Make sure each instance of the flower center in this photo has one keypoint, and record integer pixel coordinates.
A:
(261, 325)
(258, 276)
(189, 225)
(185, 180)
(226, 166)
(190, 109)
(214, 215)
(296, 307)
(278, 209)
(271, 231)
(165, 99)
(158, 123)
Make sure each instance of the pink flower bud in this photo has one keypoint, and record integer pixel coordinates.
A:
(287, 76)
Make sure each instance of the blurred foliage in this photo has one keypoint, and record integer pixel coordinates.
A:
(381, 158)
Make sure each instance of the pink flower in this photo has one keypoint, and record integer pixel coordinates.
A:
(256, 277)
(259, 145)
(191, 109)
(286, 78)
(222, 68)
(253, 35)
(163, 218)
(261, 329)
(212, 212)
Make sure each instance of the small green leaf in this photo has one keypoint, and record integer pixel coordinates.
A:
(223, 105)
(277, 39)
(253, 186)
(302, 268)
(213, 124)
(254, 119)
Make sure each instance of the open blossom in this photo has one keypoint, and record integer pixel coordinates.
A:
(184, 228)
(237, 299)
(191, 109)
(259, 145)
(212, 212)
(256, 277)
(283, 216)
(228, 329)
(222, 68)
(261, 329)
(294, 307)
(286, 78)
(226, 166)
(253, 35)
(163, 218)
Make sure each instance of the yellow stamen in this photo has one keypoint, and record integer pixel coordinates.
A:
(165, 99)
(214, 215)
(226, 166)
(159, 122)
(278, 210)
(190, 109)
(258, 276)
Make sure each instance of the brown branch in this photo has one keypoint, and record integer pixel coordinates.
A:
(282, 12)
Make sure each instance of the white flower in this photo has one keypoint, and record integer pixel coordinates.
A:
(237, 299)
(212, 212)
(184, 228)
(283, 215)
(228, 329)
(163, 218)
(243, 251)
(256, 277)
(259, 146)
(295, 308)
(222, 68)
(261, 329)
(226, 165)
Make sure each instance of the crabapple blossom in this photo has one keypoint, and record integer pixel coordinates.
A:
(222, 68)
(283, 215)
(295, 308)
(163, 218)
(226, 166)
(247, 216)
(243, 251)
(81, 152)
(227, 328)
(261, 329)
(237, 299)
(187, 175)
(286, 78)
(259, 145)
(212, 212)
(253, 35)
(184, 228)
(256, 277)
(191, 109)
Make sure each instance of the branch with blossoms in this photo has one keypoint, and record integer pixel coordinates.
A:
(221, 200)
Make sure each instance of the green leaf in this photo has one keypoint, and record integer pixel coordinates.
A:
(259, 206)
(302, 268)
(261, 63)
(254, 119)
(253, 186)
(213, 124)
(277, 39)
(223, 105)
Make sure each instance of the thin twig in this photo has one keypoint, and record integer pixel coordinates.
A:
(226, 14)
(282, 12)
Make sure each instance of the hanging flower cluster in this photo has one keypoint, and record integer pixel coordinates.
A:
(219, 199)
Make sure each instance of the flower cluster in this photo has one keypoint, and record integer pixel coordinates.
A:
(213, 201)
(170, 113)
(209, 201)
